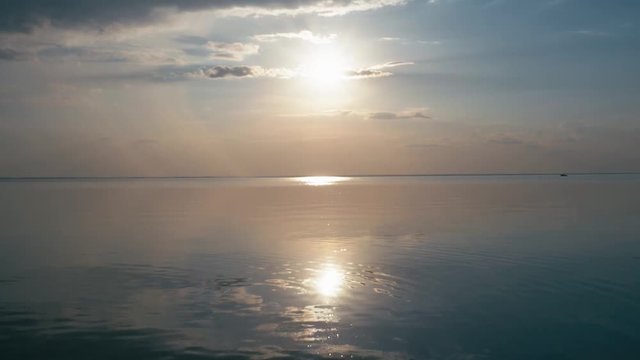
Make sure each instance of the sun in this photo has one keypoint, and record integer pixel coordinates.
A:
(323, 76)
(325, 65)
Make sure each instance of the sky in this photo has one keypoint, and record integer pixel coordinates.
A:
(318, 87)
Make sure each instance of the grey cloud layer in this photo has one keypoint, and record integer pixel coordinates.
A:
(21, 16)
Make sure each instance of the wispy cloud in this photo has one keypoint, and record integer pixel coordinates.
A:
(304, 35)
(231, 51)
(391, 64)
(375, 71)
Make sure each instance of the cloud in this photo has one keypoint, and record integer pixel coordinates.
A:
(226, 72)
(406, 114)
(375, 71)
(366, 74)
(24, 15)
(14, 55)
(305, 35)
(231, 51)
(392, 64)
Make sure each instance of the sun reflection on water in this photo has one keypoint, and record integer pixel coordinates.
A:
(328, 281)
(320, 180)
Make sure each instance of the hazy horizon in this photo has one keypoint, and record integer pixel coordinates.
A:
(301, 176)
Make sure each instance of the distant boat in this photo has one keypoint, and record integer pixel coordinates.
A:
(564, 175)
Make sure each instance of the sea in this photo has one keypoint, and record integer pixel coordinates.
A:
(503, 267)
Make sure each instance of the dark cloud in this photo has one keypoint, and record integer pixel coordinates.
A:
(218, 72)
(14, 55)
(23, 15)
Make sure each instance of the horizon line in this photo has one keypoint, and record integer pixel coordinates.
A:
(196, 177)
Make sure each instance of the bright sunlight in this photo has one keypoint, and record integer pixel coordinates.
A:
(329, 281)
(320, 180)
(325, 65)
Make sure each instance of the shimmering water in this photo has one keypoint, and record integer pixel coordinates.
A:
(535, 267)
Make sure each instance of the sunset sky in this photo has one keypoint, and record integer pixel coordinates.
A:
(318, 87)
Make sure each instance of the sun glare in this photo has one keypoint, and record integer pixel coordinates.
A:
(325, 65)
(329, 281)
(321, 180)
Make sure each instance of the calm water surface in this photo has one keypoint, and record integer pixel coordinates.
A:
(537, 267)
